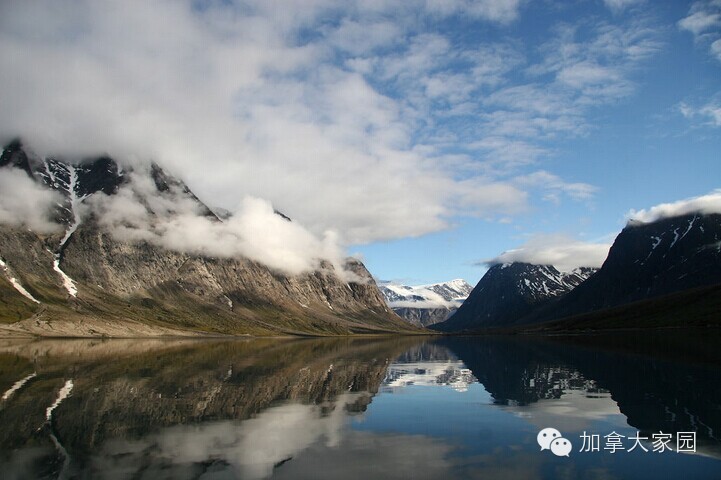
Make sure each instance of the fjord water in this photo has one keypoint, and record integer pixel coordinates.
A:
(394, 407)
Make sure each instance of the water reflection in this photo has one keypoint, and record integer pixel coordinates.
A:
(557, 377)
(352, 408)
(428, 364)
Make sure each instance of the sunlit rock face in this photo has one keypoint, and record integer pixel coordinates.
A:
(132, 251)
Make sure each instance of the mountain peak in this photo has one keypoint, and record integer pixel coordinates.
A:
(134, 256)
(425, 305)
(652, 259)
(509, 291)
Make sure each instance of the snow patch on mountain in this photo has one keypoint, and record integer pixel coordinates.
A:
(68, 282)
(15, 283)
(70, 187)
(543, 281)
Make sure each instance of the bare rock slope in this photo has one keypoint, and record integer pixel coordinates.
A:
(84, 281)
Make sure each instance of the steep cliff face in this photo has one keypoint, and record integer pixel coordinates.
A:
(85, 280)
(648, 261)
(424, 317)
(508, 293)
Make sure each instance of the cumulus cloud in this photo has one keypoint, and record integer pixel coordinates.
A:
(344, 115)
(704, 204)
(23, 202)
(175, 220)
(561, 251)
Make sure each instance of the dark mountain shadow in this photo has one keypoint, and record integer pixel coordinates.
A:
(657, 385)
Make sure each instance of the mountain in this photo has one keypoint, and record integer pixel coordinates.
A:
(94, 277)
(425, 305)
(649, 261)
(661, 273)
(509, 292)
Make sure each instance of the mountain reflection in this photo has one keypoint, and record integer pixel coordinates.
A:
(646, 378)
(337, 408)
(170, 398)
(428, 364)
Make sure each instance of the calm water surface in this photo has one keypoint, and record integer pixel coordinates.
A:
(358, 408)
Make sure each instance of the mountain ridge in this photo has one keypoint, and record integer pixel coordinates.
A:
(646, 261)
(670, 264)
(425, 305)
(509, 292)
(120, 286)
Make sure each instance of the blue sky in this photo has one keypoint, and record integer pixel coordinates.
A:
(637, 148)
(424, 135)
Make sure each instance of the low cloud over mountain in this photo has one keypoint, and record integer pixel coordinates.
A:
(704, 204)
(561, 251)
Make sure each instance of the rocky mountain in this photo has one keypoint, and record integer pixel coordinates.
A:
(656, 273)
(86, 279)
(425, 305)
(649, 261)
(508, 293)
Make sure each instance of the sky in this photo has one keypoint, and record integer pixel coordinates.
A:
(426, 136)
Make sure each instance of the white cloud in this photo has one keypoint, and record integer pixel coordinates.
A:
(617, 6)
(598, 70)
(334, 112)
(561, 251)
(704, 204)
(553, 186)
(583, 74)
(710, 113)
(475, 195)
(363, 37)
(716, 49)
(502, 11)
(175, 221)
(700, 22)
(23, 202)
(506, 153)
(704, 23)
(237, 105)
(713, 112)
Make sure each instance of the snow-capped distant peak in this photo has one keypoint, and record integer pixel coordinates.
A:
(436, 295)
